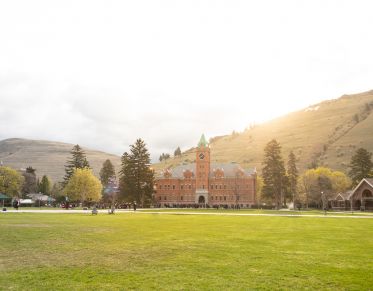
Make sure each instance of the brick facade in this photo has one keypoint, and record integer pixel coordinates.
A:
(204, 182)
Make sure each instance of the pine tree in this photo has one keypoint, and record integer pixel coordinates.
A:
(30, 182)
(361, 165)
(274, 174)
(136, 176)
(292, 173)
(45, 185)
(78, 161)
(107, 172)
(177, 152)
(164, 157)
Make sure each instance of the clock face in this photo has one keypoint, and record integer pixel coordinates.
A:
(201, 156)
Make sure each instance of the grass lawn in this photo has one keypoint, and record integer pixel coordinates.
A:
(260, 211)
(183, 252)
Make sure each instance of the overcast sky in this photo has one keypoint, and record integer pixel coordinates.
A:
(103, 73)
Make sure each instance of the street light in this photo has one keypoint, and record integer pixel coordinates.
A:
(323, 198)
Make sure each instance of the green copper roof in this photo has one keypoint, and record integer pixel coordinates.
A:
(202, 141)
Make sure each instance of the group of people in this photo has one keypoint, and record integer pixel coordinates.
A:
(197, 205)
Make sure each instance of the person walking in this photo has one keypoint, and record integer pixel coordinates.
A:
(134, 205)
(16, 204)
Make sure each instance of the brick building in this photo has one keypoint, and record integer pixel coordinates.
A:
(206, 183)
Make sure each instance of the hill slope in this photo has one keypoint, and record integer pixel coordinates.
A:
(327, 133)
(47, 157)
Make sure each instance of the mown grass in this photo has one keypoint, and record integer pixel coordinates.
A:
(261, 211)
(177, 252)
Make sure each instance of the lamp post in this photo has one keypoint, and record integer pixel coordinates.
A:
(323, 198)
(67, 203)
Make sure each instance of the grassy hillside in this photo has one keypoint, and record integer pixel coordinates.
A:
(47, 157)
(327, 133)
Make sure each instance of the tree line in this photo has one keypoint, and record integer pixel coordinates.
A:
(282, 183)
(279, 184)
(136, 179)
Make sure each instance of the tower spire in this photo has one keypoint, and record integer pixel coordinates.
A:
(202, 141)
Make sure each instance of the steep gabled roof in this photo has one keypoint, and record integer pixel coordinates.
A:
(369, 181)
(344, 195)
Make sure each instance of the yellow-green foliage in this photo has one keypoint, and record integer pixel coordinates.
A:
(309, 188)
(10, 181)
(83, 186)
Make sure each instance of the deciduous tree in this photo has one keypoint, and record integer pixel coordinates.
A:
(11, 181)
(83, 186)
(314, 182)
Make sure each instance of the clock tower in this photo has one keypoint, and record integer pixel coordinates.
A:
(202, 171)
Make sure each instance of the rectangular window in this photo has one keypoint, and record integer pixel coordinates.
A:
(182, 187)
(173, 187)
(165, 198)
(225, 198)
(225, 186)
(181, 198)
(160, 187)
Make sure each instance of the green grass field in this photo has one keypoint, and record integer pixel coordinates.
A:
(184, 252)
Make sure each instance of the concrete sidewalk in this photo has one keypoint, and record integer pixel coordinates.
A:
(139, 211)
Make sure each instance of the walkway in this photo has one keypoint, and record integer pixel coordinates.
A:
(105, 211)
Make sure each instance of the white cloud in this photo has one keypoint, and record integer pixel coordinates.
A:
(102, 73)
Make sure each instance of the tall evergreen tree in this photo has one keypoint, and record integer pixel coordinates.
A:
(45, 185)
(136, 176)
(78, 161)
(177, 152)
(164, 157)
(292, 172)
(361, 165)
(274, 174)
(107, 172)
(30, 182)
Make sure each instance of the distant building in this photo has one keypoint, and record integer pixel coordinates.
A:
(361, 197)
(206, 183)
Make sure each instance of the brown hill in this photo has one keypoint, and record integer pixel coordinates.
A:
(47, 157)
(327, 133)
